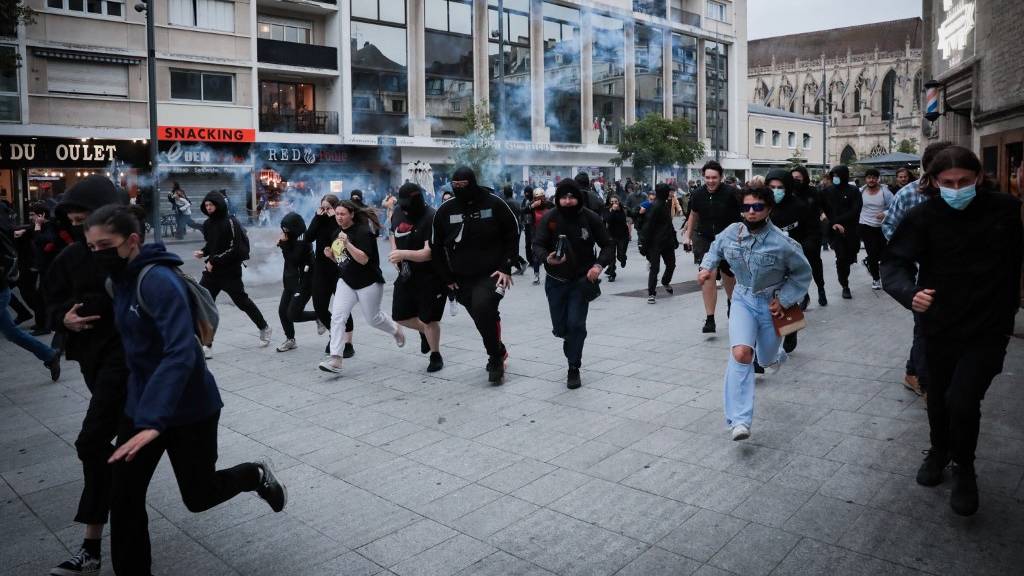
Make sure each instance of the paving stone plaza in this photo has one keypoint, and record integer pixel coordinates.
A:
(392, 471)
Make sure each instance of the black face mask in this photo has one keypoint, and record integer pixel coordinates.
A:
(110, 261)
(411, 208)
(77, 232)
(756, 225)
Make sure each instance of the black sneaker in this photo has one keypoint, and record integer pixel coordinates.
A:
(651, 299)
(758, 369)
(822, 299)
(349, 351)
(40, 331)
(846, 293)
(436, 363)
(789, 342)
(611, 277)
(572, 381)
(964, 498)
(668, 288)
(424, 346)
(81, 564)
(54, 366)
(496, 369)
(709, 326)
(270, 489)
(805, 302)
(930, 472)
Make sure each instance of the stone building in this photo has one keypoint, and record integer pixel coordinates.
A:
(867, 77)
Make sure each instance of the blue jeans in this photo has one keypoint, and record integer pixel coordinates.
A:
(568, 316)
(18, 336)
(750, 324)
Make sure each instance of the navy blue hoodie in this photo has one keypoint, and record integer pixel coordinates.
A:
(169, 385)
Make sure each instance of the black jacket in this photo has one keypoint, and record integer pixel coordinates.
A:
(220, 230)
(297, 253)
(842, 203)
(322, 231)
(583, 230)
(473, 236)
(657, 232)
(970, 257)
(618, 225)
(792, 215)
(811, 198)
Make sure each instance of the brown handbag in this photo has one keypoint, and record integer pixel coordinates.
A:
(791, 321)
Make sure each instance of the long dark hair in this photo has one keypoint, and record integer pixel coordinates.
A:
(120, 219)
(954, 157)
(366, 216)
(330, 199)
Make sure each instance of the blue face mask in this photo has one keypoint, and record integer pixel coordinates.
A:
(836, 181)
(958, 198)
(779, 194)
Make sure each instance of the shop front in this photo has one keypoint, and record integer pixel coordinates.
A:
(201, 160)
(41, 169)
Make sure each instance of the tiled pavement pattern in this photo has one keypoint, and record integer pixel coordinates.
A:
(392, 471)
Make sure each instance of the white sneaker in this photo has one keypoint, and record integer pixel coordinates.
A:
(265, 336)
(332, 364)
(320, 328)
(287, 345)
(740, 432)
(876, 285)
(207, 352)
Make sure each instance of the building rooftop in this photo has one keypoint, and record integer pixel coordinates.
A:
(886, 36)
(769, 111)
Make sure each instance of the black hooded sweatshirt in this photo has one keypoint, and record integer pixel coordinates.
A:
(583, 229)
(474, 233)
(658, 233)
(298, 255)
(791, 215)
(811, 198)
(842, 203)
(221, 231)
(322, 231)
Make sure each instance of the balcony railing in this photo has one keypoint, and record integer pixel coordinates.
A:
(299, 122)
(686, 18)
(296, 54)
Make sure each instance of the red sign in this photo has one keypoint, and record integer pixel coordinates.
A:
(205, 134)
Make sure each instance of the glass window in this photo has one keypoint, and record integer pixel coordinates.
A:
(650, 7)
(10, 103)
(684, 79)
(717, 11)
(649, 68)
(514, 64)
(208, 14)
(717, 89)
(379, 72)
(449, 58)
(101, 7)
(197, 85)
(776, 138)
(186, 85)
(435, 14)
(217, 87)
(759, 137)
(76, 5)
(791, 139)
(562, 73)
(807, 142)
(609, 77)
(94, 6)
(58, 4)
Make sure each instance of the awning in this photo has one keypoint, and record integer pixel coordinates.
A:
(86, 56)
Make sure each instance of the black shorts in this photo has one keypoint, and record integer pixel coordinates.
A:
(424, 300)
(701, 245)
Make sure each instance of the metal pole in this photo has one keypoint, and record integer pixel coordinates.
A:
(501, 83)
(154, 149)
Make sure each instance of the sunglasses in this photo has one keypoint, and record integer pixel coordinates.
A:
(759, 207)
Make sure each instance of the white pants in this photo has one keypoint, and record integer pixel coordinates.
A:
(345, 299)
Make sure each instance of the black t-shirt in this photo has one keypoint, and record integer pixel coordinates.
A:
(715, 210)
(411, 235)
(358, 275)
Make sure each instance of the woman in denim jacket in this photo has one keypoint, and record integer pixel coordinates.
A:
(771, 274)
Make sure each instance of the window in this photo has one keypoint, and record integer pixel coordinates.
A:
(717, 11)
(791, 139)
(87, 78)
(10, 102)
(889, 96)
(514, 63)
(649, 67)
(650, 7)
(716, 86)
(684, 79)
(562, 73)
(449, 57)
(285, 29)
(609, 77)
(776, 138)
(759, 137)
(99, 7)
(379, 68)
(806, 142)
(208, 14)
(205, 86)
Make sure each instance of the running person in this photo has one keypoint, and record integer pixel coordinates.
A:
(658, 238)
(811, 242)
(876, 200)
(296, 278)
(842, 205)
(621, 232)
(322, 231)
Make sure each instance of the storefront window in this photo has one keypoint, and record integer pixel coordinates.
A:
(649, 67)
(562, 72)
(684, 79)
(10, 103)
(379, 68)
(449, 58)
(514, 121)
(609, 73)
(717, 67)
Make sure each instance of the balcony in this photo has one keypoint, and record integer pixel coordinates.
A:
(299, 122)
(685, 18)
(295, 54)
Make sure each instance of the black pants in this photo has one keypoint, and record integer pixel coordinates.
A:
(620, 245)
(292, 307)
(193, 453)
(874, 244)
(666, 253)
(812, 251)
(230, 281)
(917, 363)
(19, 307)
(28, 285)
(477, 295)
(534, 262)
(959, 373)
(325, 282)
(106, 378)
(568, 305)
(846, 246)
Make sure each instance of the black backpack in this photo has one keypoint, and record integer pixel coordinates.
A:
(240, 240)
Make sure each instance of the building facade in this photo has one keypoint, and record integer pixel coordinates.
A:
(780, 138)
(866, 79)
(327, 96)
(975, 81)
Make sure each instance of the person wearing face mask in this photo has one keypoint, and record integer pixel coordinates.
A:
(419, 297)
(322, 231)
(173, 404)
(876, 199)
(296, 278)
(771, 275)
(571, 276)
(360, 281)
(533, 213)
(956, 261)
(658, 237)
(842, 205)
(474, 237)
(811, 238)
(791, 215)
(620, 231)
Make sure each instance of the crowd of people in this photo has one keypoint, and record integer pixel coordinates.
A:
(142, 332)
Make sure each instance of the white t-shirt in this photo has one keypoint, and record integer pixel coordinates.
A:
(874, 204)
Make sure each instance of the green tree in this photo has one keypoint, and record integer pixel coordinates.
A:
(13, 13)
(908, 146)
(476, 147)
(655, 142)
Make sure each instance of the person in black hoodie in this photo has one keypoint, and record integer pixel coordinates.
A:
(322, 231)
(172, 403)
(223, 256)
(620, 232)
(842, 203)
(955, 260)
(658, 238)
(296, 279)
(810, 239)
(81, 310)
(519, 263)
(593, 200)
(473, 241)
(572, 277)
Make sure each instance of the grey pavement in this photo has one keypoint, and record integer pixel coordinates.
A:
(394, 471)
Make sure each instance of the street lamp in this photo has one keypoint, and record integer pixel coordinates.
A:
(154, 150)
